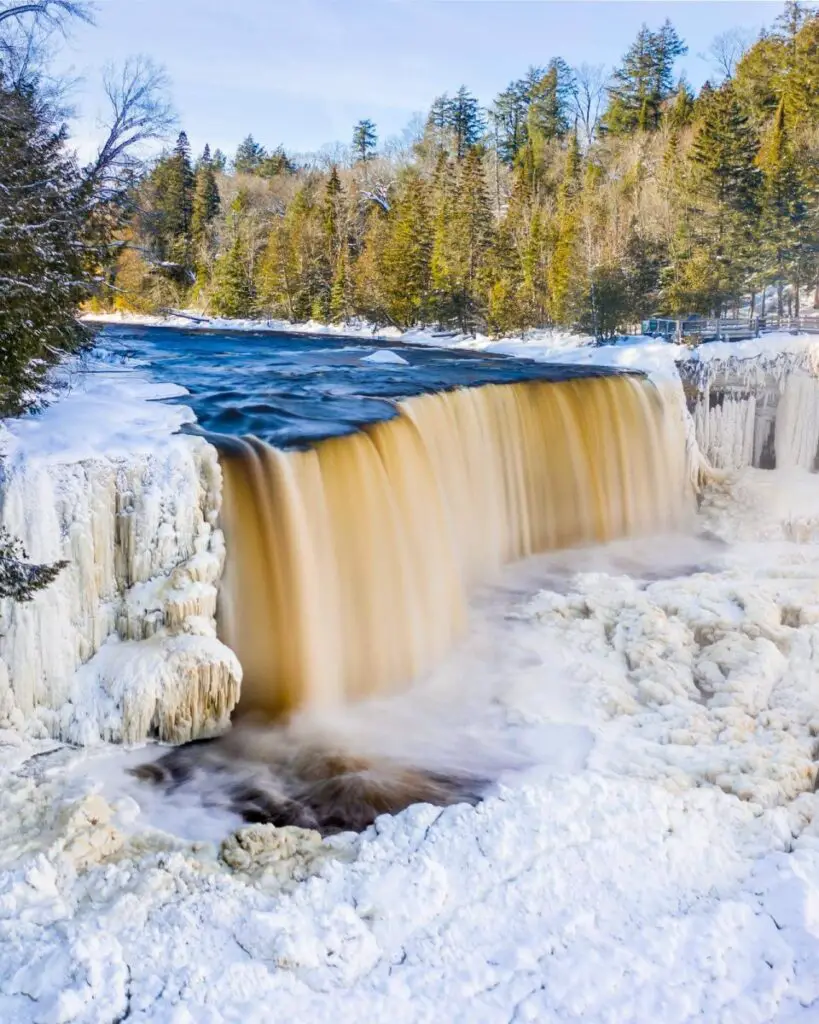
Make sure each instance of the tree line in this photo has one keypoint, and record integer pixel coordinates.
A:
(571, 201)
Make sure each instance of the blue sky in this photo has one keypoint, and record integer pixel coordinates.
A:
(302, 72)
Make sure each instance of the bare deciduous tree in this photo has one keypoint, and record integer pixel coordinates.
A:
(139, 112)
(588, 92)
(728, 49)
(56, 12)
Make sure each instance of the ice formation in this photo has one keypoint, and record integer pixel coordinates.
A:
(123, 644)
(659, 863)
(756, 403)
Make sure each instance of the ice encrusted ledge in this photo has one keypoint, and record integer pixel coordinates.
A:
(123, 645)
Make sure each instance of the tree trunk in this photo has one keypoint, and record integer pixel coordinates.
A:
(753, 304)
(780, 308)
(796, 287)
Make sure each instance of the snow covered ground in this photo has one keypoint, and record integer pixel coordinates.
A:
(655, 860)
(658, 861)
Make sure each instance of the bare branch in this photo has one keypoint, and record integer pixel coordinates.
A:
(728, 49)
(139, 112)
(56, 12)
(588, 91)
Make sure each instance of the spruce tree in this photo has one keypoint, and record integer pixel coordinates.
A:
(563, 274)
(644, 81)
(508, 118)
(437, 133)
(250, 156)
(206, 200)
(232, 294)
(726, 189)
(43, 275)
(365, 139)
(786, 244)
(548, 103)
(407, 253)
(467, 122)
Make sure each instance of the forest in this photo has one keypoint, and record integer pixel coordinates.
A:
(574, 199)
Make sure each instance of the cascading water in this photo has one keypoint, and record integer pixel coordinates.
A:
(350, 563)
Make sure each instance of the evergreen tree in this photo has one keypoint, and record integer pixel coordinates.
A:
(548, 103)
(563, 273)
(365, 139)
(206, 199)
(437, 133)
(219, 161)
(724, 203)
(644, 81)
(786, 243)
(341, 299)
(275, 163)
(232, 294)
(43, 206)
(250, 157)
(467, 122)
(407, 253)
(508, 117)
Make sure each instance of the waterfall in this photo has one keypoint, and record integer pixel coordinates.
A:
(349, 564)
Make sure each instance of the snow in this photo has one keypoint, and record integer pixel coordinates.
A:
(658, 861)
(654, 855)
(385, 356)
(99, 479)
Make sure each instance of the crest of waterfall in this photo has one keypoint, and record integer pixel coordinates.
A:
(350, 564)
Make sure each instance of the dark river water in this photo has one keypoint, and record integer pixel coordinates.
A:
(291, 390)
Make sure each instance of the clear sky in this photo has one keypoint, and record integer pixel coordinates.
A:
(302, 72)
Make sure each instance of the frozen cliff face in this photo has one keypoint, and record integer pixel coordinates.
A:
(756, 403)
(123, 644)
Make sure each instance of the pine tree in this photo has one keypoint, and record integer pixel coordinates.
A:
(407, 253)
(785, 240)
(341, 301)
(437, 133)
(365, 139)
(206, 200)
(643, 81)
(563, 274)
(548, 103)
(466, 121)
(250, 157)
(43, 205)
(726, 189)
(232, 287)
(508, 117)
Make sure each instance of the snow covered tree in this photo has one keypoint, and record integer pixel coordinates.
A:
(19, 578)
(43, 272)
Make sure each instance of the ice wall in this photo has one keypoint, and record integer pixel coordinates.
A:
(756, 403)
(123, 644)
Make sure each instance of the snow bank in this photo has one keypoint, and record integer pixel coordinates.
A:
(99, 480)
